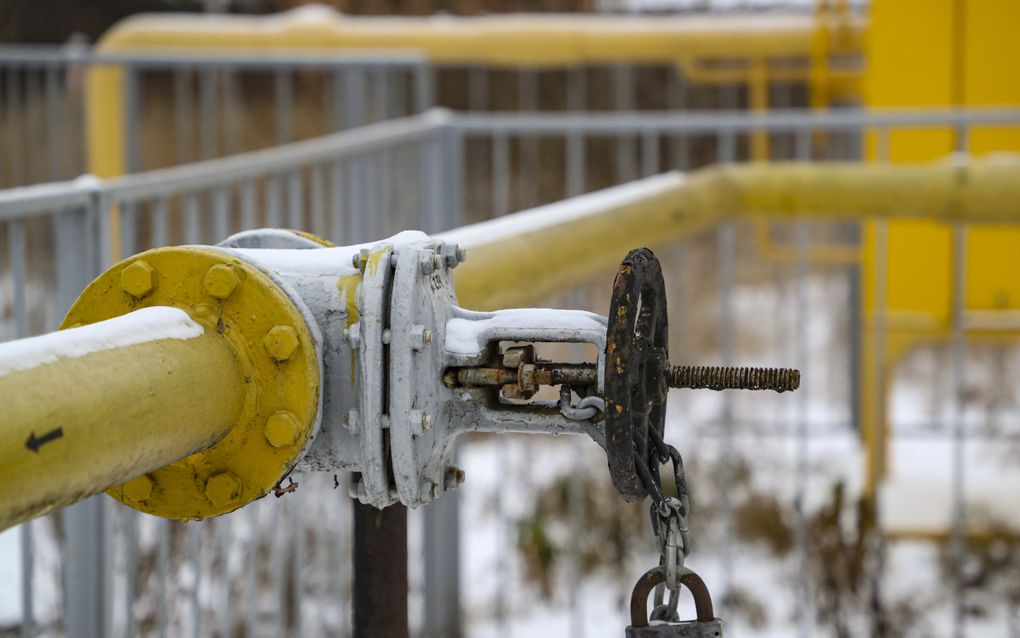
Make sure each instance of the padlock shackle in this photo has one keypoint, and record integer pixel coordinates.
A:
(656, 575)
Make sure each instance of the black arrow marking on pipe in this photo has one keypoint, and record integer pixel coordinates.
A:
(34, 443)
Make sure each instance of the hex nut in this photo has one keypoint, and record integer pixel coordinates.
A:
(223, 488)
(281, 342)
(220, 281)
(282, 428)
(139, 489)
(137, 279)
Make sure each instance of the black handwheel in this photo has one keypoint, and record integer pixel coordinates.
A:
(635, 384)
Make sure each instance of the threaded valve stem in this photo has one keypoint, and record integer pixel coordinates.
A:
(725, 378)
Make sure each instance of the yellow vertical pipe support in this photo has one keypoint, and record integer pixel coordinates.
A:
(104, 134)
(95, 406)
(957, 54)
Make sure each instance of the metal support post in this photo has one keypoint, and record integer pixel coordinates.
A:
(442, 568)
(380, 571)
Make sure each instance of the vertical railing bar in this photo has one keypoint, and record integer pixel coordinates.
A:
(274, 217)
(500, 174)
(678, 97)
(959, 359)
(455, 140)
(5, 72)
(802, 144)
(106, 210)
(13, 92)
(223, 529)
(298, 564)
(381, 92)
(377, 214)
(575, 505)
(159, 222)
(623, 95)
(128, 228)
(503, 550)
(248, 205)
(195, 558)
(191, 220)
(356, 214)
(208, 104)
(162, 575)
(183, 115)
(959, 365)
(336, 208)
(251, 566)
(283, 99)
(577, 101)
(802, 148)
(221, 211)
(320, 563)
(478, 88)
(424, 93)
(727, 147)
(529, 192)
(649, 152)
(438, 180)
(54, 138)
(232, 109)
(336, 98)
(16, 248)
(725, 247)
(398, 92)
(318, 223)
(276, 574)
(354, 96)
(33, 90)
(132, 121)
(130, 564)
(295, 213)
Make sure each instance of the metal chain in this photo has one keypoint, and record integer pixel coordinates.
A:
(668, 515)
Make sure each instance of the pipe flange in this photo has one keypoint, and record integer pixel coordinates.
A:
(276, 346)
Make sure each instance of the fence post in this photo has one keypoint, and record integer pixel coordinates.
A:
(380, 571)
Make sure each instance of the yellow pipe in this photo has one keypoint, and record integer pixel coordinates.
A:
(83, 419)
(523, 267)
(507, 40)
(502, 41)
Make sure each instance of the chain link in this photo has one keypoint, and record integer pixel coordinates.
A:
(668, 514)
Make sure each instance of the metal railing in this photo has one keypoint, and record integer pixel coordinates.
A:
(180, 107)
(450, 169)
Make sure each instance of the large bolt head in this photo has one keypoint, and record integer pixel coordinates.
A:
(281, 342)
(223, 488)
(220, 281)
(139, 489)
(282, 428)
(137, 279)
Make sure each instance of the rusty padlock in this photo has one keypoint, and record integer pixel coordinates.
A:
(706, 625)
